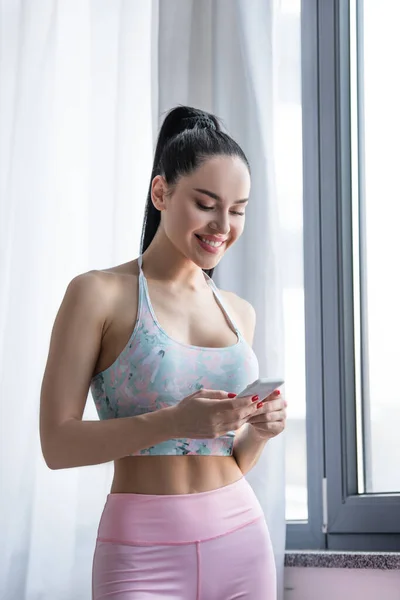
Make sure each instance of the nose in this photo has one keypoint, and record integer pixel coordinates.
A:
(221, 224)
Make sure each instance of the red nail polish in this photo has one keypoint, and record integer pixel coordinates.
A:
(254, 398)
(259, 405)
(230, 395)
(277, 393)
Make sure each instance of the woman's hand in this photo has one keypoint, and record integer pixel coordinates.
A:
(270, 419)
(210, 414)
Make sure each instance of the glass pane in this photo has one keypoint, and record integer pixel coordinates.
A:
(379, 248)
(288, 153)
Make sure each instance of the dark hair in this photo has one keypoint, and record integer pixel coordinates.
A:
(187, 138)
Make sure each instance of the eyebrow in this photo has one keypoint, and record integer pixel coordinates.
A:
(216, 197)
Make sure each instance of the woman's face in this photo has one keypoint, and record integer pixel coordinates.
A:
(204, 213)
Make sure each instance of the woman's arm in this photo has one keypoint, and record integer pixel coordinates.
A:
(248, 447)
(77, 443)
(248, 444)
(66, 440)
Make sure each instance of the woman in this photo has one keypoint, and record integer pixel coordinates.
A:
(165, 353)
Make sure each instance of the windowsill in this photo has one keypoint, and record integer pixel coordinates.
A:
(342, 560)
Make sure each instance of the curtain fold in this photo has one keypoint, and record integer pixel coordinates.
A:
(76, 145)
(83, 87)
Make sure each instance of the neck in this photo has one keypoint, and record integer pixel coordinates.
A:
(162, 261)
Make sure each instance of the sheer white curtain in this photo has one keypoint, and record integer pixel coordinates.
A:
(82, 86)
(76, 150)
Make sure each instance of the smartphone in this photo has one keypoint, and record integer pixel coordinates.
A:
(262, 387)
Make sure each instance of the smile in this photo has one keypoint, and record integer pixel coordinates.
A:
(211, 242)
(209, 245)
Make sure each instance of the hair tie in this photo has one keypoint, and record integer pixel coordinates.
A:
(200, 122)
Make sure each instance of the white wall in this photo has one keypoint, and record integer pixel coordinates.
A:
(310, 583)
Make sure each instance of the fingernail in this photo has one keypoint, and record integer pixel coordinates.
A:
(230, 395)
(254, 398)
(259, 405)
(277, 393)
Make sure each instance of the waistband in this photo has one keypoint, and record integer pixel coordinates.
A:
(141, 519)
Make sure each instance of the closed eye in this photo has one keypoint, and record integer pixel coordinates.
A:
(203, 207)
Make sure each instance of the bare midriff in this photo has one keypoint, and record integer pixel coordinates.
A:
(170, 475)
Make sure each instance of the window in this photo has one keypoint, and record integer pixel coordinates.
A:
(375, 117)
(351, 244)
(288, 153)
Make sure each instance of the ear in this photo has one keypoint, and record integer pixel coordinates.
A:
(158, 192)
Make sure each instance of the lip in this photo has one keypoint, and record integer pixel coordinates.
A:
(212, 238)
(208, 248)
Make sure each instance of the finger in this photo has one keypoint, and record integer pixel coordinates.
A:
(196, 393)
(268, 417)
(262, 409)
(273, 405)
(276, 394)
(214, 394)
(239, 404)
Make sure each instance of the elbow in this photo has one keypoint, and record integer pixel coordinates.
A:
(53, 448)
(52, 464)
(47, 453)
(51, 455)
(50, 459)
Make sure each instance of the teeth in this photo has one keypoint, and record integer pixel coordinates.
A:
(211, 243)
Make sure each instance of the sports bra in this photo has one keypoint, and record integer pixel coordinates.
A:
(154, 371)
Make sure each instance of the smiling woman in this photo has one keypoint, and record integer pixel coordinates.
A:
(211, 165)
(215, 217)
(165, 352)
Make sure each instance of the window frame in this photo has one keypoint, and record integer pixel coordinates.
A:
(339, 517)
(309, 534)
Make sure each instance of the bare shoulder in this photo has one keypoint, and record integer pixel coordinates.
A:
(90, 292)
(92, 286)
(243, 312)
(101, 289)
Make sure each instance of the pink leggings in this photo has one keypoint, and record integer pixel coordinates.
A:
(208, 546)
